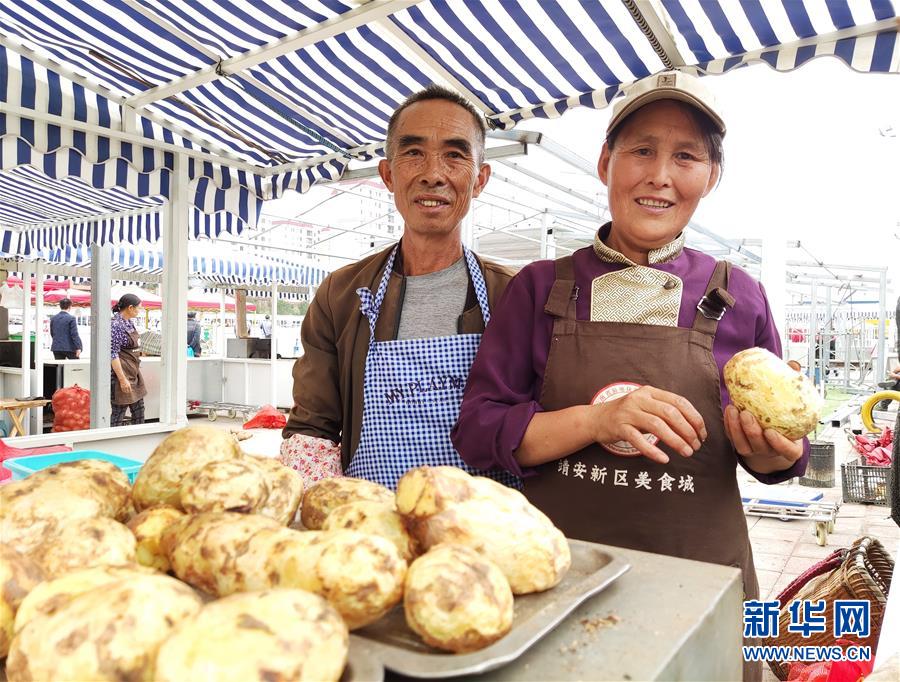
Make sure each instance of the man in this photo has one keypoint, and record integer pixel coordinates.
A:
(193, 333)
(265, 328)
(64, 332)
(379, 385)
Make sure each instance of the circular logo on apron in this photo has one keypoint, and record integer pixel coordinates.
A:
(613, 392)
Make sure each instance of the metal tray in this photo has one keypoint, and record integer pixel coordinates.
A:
(398, 648)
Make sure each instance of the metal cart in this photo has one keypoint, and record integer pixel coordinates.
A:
(230, 410)
(768, 504)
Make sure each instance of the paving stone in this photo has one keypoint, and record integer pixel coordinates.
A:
(772, 546)
(769, 562)
(776, 533)
(842, 539)
(766, 579)
(852, 526)
(798, 564)
(811, 551)
(851, 511)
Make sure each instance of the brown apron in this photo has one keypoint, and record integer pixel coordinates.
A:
(690, 507)
(130, 358)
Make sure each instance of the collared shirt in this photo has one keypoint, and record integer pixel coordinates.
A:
(504, 385)
(120, 331)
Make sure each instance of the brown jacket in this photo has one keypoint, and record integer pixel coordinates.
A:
(328, 378)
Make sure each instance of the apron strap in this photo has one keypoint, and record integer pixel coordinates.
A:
(715, 301)
(479, 284)
(561, 301)
(370, 305)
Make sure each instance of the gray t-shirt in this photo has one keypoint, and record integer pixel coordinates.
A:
(433, 303)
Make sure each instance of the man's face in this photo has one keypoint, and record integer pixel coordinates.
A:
(435, 169)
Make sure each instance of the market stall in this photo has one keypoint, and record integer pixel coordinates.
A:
(218, 111)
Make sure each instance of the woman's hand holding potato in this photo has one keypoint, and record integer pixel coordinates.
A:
(763, 450)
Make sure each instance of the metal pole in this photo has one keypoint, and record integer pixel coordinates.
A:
(101, 274)
(37, 376)
(26, 336)
(811, 336)
(881, 361)
(273, 355)
(825, 354)
(173, 401)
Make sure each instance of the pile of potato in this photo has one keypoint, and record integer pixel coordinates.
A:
(199, 570)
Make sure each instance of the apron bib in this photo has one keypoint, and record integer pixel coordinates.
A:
(690, 507)
(129, 358)
(412, 391)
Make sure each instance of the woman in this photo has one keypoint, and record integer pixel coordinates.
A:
(128, 389)
(599, 377)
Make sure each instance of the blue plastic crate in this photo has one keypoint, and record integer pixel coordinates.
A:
(25, 466)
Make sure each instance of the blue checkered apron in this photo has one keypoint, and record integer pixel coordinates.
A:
(411, 394)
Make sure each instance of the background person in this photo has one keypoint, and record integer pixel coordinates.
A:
(66, 344)
(265, 327)
(128, 389)
(627, 337)
(193, 333)
(377, 393)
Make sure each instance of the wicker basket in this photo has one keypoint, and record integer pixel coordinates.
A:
(861, 572)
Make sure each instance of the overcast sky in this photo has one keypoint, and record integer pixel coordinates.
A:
(811, 155)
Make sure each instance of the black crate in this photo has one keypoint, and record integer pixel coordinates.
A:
(865, 484)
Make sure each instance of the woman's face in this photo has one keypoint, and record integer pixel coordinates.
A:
(131, 311)
(656, 174)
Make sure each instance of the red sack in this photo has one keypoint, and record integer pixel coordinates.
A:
(71, 409)
(267, 418)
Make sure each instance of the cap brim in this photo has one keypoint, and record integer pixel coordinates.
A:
(660, 94)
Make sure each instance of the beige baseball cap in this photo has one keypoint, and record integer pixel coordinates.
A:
(666, 85)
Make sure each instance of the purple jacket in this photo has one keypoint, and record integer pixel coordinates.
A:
(505, 381)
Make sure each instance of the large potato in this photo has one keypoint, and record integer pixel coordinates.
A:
(779, 397)
(112, 632)
(280, 634)
(86, 543)
(223, 553)
(285, 490)
(18, 576)
(33, 509)
(159, 480)
(375, 518)
(446, 504)
(457, 600)
(325, 495)
(236, 485)
(148, 527)
(52, 595)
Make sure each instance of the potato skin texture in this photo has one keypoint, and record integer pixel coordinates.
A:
(111, 633)
(447, 505)
(233, 485)
(84, 544)
(779, 397)
(19, 575)
(375, 518)
(323, 496)
(280, 634)
(285, 490)
(147, 528)
(52, 595)
(33, 509)
(457, 600)
(184, 450)
(223, 553)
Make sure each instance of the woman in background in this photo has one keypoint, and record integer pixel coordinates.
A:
(128, 389)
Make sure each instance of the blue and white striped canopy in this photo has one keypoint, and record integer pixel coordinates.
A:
(285, 93)
(275, 82)
(243, 269)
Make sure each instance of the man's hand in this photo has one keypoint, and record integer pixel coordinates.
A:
(666, 415)
(895, 373)
(77, 354)
(764, 450)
